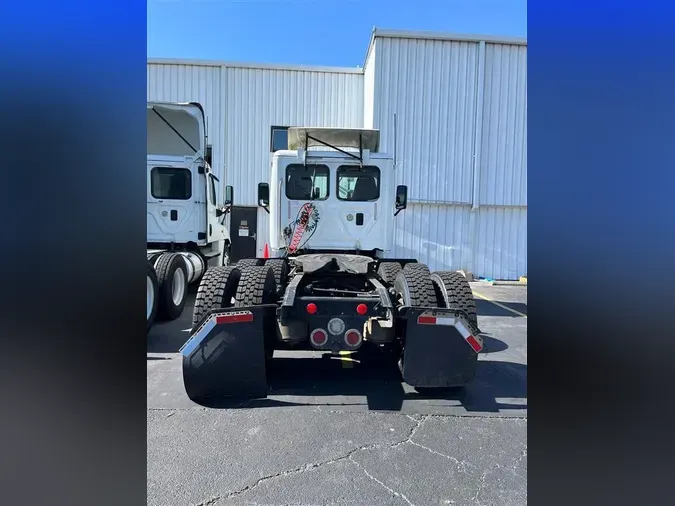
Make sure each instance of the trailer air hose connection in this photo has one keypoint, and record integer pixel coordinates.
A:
(305, 222)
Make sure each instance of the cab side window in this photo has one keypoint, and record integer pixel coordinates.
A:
(212, 190)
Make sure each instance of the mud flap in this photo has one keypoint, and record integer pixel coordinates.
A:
(225, 355)
(440, 350)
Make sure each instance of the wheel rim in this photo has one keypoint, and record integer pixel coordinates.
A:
(150, 297)
(178, 286)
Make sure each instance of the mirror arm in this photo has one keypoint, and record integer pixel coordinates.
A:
(397, 211)
(223, 210)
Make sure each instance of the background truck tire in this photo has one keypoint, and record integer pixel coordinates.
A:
(280, 268)
(388, 271)
(172, 277)
(454, 291)
(152, 295)
(415, 288)
(249, 262)
(216, 291)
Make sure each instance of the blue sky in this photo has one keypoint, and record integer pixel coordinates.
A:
(312, 32)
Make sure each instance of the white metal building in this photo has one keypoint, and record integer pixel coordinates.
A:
(454, 108)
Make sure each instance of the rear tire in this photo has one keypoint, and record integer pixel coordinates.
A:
(388, 271)
(417, 267)
(216, 291)
(257, 286)
(173, 287)
(280, 268)
(415, 288)
(152, 294)
(249, 262)
(454, 291)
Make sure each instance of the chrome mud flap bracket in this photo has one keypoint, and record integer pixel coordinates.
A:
(225, 354)
(440, 349)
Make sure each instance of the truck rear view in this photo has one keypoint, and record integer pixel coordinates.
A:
(332, 284)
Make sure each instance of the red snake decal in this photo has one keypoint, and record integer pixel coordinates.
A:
(307, 212)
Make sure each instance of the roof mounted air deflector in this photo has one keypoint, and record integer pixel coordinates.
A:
(335, 138)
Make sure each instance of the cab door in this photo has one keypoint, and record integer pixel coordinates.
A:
(172, 191)
(215, 230)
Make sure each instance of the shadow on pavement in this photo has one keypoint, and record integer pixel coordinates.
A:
(319, 379)
(492, 344)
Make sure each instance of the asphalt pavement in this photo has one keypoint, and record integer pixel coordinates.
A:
(338, 431)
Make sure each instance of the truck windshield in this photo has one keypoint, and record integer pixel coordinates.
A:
(358, 184)
(170, 183)
(307, 183)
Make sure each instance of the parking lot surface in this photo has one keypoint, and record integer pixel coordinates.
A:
(336, 431)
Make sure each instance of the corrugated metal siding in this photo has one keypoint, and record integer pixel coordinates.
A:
(503, 168)
(432, 87)
(194, 83)
(437, 235)
(501, 243)
(258, 99)
(369, 88)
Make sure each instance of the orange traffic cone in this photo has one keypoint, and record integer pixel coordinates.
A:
(266, 251)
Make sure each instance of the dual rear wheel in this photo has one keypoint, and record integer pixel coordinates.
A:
(166, 287)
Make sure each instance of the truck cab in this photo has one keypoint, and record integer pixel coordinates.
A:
(182, 205)
(345, 189)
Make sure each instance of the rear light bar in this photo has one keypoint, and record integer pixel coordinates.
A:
(452, 322)
(242, 317)
(205, 328)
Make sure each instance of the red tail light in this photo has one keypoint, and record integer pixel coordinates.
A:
(362, 309)
(353, 337)
(318, 337)
(311, 308)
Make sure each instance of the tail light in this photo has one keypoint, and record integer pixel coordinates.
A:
(353, 337)
(318, 337)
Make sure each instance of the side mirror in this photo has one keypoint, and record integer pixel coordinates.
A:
(229, 199)
(264, 196)
(401, 198)
(208, 156)
(229, 195)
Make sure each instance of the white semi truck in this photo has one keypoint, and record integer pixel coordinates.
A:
(186, 233)
(332, 284)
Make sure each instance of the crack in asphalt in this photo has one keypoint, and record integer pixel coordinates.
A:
(312, 466)
(389, 489)
(418, 420)
(461, 465)
(492, 469)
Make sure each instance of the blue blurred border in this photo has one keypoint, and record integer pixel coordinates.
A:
(72, 132)
(601, 125)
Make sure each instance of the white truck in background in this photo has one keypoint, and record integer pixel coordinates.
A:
(186, 233)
